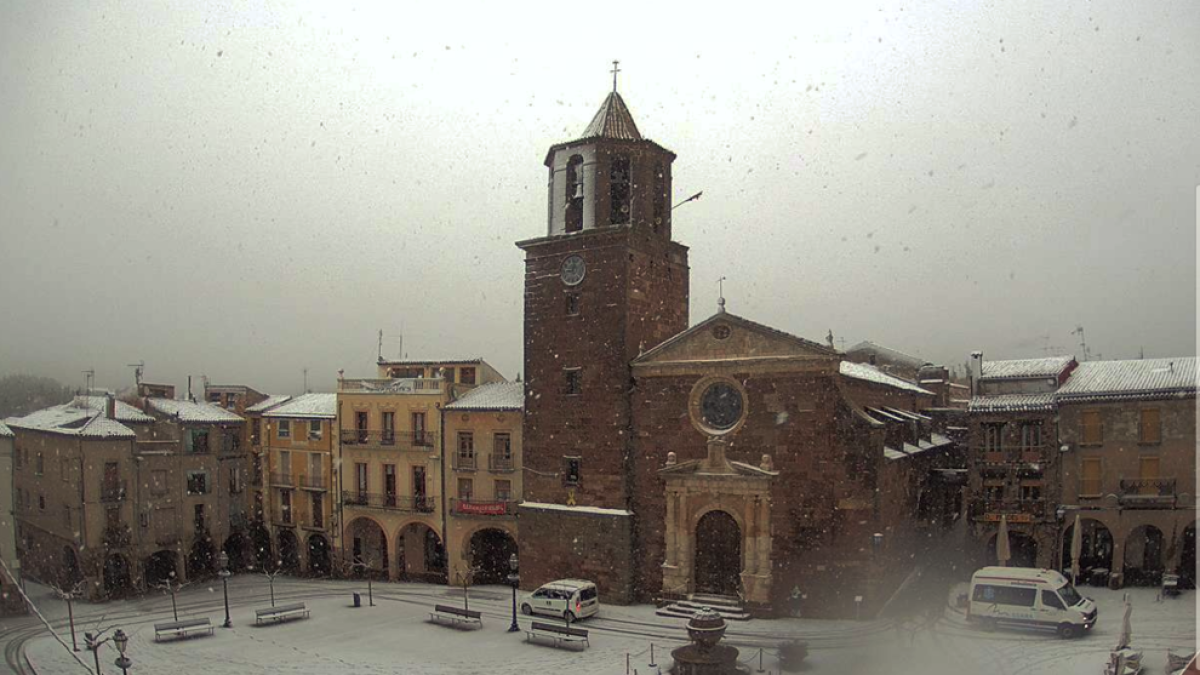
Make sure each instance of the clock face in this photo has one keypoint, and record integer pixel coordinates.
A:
(721, 406)
(573, 269)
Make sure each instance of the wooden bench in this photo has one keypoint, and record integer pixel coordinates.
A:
(559, 634)
(454, 615)
(182, 629)
(281, 613)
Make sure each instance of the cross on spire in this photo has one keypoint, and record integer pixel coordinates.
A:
(721, 295)
(614, 71)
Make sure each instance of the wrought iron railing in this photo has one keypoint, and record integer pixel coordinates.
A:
(984, 507)
(314, 482)
(421, 441)
(1147, 492)
(283, 480)
(463, 462)
(501, 464)
(377, 500)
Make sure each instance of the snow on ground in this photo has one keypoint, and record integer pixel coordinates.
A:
(394, 636)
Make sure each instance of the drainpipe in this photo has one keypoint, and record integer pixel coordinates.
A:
(442, 500)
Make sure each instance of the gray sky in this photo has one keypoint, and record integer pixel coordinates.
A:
(245, 192)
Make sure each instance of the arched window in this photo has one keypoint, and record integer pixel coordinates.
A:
(574, 194)
(619, 182)
(660, 197)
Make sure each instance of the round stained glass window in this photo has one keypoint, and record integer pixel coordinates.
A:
(721, 406)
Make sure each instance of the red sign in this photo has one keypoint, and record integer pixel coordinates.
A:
(483, 508)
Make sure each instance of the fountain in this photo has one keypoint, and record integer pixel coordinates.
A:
(704, 656)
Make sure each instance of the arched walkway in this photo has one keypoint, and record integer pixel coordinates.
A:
(117, 581)
(1187, 559)
(420, 554)
(160, 568)
(201, 562)
(70, 574)
(368, 547)
(260, 543)
(237, 547)
(718, 566)
(1021, 547)
(319, 563)
(1144, 556)
(488, 554)
(289, 552)
(1097, 550)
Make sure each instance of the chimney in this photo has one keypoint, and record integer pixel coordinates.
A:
(976, 365)
(110, 406)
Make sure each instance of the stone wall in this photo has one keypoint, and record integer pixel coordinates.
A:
(560, 543)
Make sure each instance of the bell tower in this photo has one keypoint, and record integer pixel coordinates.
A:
(605, 284)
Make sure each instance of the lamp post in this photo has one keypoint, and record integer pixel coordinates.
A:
(877, 541)
(223, 563)
(121, 640)
(515, 580)
(93, 644)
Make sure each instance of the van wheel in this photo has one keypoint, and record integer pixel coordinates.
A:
(526, 609)
(1067, 631)
(569, 616)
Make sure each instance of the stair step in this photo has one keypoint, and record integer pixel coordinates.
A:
(687, 613)
(734, 607)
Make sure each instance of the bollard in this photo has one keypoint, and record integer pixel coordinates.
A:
(626, 663)
(760, 654)
(652, 663)
(357, 600)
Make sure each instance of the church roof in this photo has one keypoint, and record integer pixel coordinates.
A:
(613, 121)
(736, 320)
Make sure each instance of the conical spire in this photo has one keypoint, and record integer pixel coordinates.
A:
(613, 121)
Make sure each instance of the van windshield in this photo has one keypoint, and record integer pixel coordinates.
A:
(1070, 595)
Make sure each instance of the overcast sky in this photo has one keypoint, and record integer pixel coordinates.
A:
(245, 192)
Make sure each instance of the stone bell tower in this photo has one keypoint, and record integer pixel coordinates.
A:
(605, 284)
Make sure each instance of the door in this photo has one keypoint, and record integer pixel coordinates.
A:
(360, 425)
(718, 560)
(316, 470)
(360, 475)
(418, 428)
(418, 478)
(389, 427)
(389, 484)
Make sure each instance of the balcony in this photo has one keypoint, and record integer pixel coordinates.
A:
(500, 464)
(282, 480)
(112, 492)
(1016, 511)
(418, 441)
(484, 509)
(409, 385)
(314, 482)
(1148, 493)
(391, 502)
(464, 462)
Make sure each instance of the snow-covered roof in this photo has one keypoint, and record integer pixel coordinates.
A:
(192, 411)
(269, 402)
(869, 373)
(1130, 379)
(894, 355)
(73, 419)
(428, 362)
(123, 413)
(495, 396)
(307, 405)
(5, 432)
(595, 510)
(1019, 369)
(1011, 403)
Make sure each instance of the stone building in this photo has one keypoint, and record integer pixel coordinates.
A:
(261, 541)
(299, 438)
(10, 599)
(1013, 457)
(728, 458)
(1128, 436)
(483, 433)
(390, 450)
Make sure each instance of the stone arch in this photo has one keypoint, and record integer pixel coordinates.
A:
(202, 560)
(289, 551)
(719, 560)
(1098, 548)
(118, 580)
(237, 547)
(420, 552)
(488, 549)
(367, 547)
(160, 567)
(70, 574)
(1144, 556)
(1187, 558)
(319, 559)
(262, 549)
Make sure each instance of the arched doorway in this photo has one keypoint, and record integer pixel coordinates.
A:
(1144, 556)
(318, 555)
(160, 568)
(1022, 550)
(368, 547)
(718, 565)
(420, 554)
(117, 581)
(201, 562)
(1187, 559)
(289, 552)
(237, 548)
(489, 553)
(71, 575)
(1097, 551)
(260, 542)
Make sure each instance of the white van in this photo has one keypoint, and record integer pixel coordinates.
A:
(570, 599)
(1032, 598)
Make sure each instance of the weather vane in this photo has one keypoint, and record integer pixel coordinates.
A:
(615, 70)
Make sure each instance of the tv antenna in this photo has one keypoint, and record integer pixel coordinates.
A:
(138, 368)
(90, 378)
(1082, 343)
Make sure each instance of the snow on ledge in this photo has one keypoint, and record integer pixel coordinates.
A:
(575, 509)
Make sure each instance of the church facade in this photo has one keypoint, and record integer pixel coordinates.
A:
(729, 458)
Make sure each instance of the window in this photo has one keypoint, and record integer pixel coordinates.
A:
(1151, 427)
(41, 502)
(197, 483)
(214, 397)
(466, 450)
(389, 484)
(285, 465)
(230, 443)
(418, 429)
(285, 506)
(255, 430)
(660, 196)
(1090, 477)
(465, 489)
(235, 480)
(573, 385)
(314, 430)
(574, 194)
(360, 475)
(1005, 595)
(571, 472)
(1148, 475)
(316, 469)
(1050, 600)
(572, 304)
(503, 490)
(1031, 492)
(318, 510)
(389, 427)
(619, 181)
(1031, 435)
(1093, 429)
(41, 465)
(466, 375)
(285, 429)
(502, 445)
(993, 437)
(198, 517)
(112, 516)
(196, 441)
(993, 490)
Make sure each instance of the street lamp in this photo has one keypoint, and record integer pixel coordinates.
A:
(877, 541)
(223, 563)
(121, 640)
(515, 580)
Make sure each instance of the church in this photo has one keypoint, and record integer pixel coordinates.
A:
(726, 459)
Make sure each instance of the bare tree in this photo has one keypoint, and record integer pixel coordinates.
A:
(173, 587)
(70, 595)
